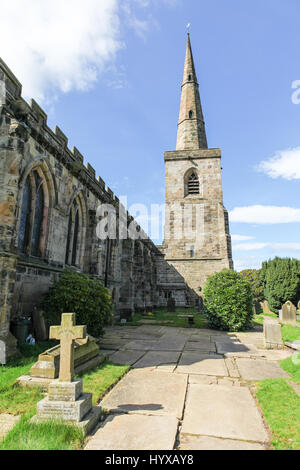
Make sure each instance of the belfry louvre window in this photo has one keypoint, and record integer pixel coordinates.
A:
(193, 184)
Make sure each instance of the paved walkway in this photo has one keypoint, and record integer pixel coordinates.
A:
(188, 390)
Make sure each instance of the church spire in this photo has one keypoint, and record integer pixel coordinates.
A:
(191, 126)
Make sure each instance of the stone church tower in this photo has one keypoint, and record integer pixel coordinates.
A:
(197, 241)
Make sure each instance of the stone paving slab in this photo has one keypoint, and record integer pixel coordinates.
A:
(158, 358)
(204, 345)
(203, 364)
(224, 412)
(140, 345)
(259, 369)
(126, 357)
(170, 342)
(212, 443)
(7, 422)
(149, 393)
(135, 432)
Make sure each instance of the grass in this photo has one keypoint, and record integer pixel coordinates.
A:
(50, 435)
(289, 332)
(162, 317)
(290, 366)
(16, 400)
(281, 408)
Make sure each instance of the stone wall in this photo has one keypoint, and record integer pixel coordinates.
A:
(30, 150)
(203, 246)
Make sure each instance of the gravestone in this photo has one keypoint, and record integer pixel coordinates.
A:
(171, 306)
(289, 313)
(39, 326)
(265, 306)
(272, 334)
(8, 347)
(66, 400)
(298, 306)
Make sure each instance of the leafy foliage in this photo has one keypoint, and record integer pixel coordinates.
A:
(281, 280)
(253, 276)
(228, 301)
(86, 297)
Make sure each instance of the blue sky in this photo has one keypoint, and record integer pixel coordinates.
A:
(108, 72)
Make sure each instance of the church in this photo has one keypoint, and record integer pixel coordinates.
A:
(48, 215)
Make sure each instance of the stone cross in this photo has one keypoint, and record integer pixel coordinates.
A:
(67, 333)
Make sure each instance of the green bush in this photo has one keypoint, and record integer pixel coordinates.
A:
(253, 276)
(78, 293)
(228, 301)
(281, 279)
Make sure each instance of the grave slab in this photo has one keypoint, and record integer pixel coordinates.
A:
(224, 412)
(135, 432)
(212, 443)
(158, 358)
(148, 393)
(259, 369)
(140, 345)
(204, 345)
(126, 357)
(203, 364)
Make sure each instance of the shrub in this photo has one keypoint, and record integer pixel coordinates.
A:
(281, 279)
(78, 293)
(253, 276)
(228, 301)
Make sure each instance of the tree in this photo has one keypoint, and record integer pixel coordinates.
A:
(257, 286)
(86, 297)
(281, 280)
(228, 301)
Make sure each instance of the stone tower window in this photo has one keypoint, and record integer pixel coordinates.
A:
(191, 114)
(190, 78)
(193, 184)
(32, 215)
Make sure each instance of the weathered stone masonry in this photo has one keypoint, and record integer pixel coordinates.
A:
(48, 205)
(48, 215)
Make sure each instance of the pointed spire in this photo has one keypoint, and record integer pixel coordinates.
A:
(191, 126)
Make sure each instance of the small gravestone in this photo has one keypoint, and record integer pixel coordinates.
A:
(65, 400)
(171, 307)
(265, 306)
(272, 334)
(39, 326)
(289, 313)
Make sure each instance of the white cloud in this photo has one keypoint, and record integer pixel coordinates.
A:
(54, 45)
(265, 215)
(284, 164)
(240, 238)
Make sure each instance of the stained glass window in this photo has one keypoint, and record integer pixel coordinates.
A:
(24, 229)
(75, 239)
(38, 218)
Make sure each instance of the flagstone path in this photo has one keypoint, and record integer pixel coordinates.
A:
(187, 390)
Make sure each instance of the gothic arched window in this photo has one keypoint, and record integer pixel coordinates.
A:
(193, 184)
(32, 215)
(191, 114)
(75, 234)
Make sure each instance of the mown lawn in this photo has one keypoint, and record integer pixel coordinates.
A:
(280, 405)
(162, 317)
(16, 400)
